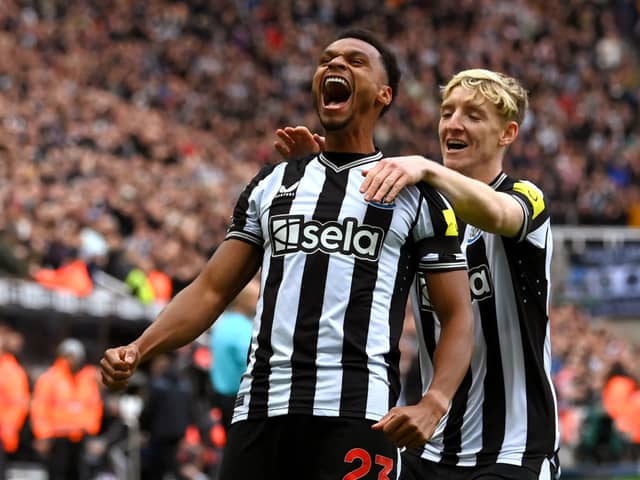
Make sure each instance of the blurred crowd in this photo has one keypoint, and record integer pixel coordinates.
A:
(172, 419)
(597, 379)
(128, 129)
(58, 418)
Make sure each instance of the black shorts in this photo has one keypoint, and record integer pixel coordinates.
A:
(417, 468)
(296, 447)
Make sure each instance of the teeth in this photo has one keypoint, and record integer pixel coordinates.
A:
(339, 80)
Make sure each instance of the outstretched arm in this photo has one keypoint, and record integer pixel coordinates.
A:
(190, 313)
(413, 426)
(297, 142)
(473, 201)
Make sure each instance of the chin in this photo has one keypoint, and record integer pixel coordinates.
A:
(454, 163)
(333, 124)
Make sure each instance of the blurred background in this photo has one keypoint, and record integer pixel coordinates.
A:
(129, 128)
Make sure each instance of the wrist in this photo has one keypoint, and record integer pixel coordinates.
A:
(437, 401)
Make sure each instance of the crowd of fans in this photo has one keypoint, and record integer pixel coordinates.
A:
(128, 129)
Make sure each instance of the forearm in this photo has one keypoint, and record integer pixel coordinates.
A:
(451, 361)
(189, 314)
(475, 202)
(196, 307)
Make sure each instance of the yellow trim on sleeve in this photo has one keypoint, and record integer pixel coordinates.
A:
(533, 195)
(452, 225)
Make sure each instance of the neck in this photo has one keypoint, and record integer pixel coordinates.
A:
(485, 173)
(352, 141)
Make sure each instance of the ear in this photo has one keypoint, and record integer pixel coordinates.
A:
(509, 134)
(385, 95)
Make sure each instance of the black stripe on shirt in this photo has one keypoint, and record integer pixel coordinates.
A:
(312, 288)
(452, 434)
(494, 405)
(406, 271)
(355, 380)
(531, 299)
(262, 369)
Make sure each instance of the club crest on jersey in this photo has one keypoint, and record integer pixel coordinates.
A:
(291, 234)
(287, 192)
(382, 205)
(474, 233)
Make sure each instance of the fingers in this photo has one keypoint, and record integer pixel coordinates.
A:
(380, 424)
(296, 142)
(382, 184)
(117, 365)
(402, 429)
(284, 143)
(282, 149)
(370, 176)
(320, 141)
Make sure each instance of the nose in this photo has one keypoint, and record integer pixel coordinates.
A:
(337, 61)
(453, 121)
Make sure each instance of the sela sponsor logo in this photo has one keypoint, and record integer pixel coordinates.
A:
(291, 234)
(286, 192)
(480, 283)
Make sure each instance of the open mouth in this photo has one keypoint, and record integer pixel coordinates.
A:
(336, 92)
(455, 145)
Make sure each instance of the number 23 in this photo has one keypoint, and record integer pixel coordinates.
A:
(361, 455)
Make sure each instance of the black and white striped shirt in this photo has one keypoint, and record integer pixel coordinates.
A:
(505, 409)
(336, 274)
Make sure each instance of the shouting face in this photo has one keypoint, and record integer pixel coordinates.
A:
(350, 81)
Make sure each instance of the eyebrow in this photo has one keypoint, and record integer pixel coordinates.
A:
(349, 53)
(466, 105)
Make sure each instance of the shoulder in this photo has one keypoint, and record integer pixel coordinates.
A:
(527, 192)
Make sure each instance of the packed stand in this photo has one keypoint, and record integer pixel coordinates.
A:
(128, 129)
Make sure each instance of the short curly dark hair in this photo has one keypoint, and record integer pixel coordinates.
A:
(389, 59)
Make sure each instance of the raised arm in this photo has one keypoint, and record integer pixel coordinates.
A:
(474, 202)
(190, 312)
(413, 426)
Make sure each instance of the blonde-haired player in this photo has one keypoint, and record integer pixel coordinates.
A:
(502, 422)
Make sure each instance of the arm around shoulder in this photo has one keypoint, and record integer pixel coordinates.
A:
(475, 202)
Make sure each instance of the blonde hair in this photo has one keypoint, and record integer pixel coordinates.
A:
(506, 93)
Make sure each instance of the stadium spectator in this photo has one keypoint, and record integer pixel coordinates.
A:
(14, 394)
(66, 408)
(324, 363)
(168, 410)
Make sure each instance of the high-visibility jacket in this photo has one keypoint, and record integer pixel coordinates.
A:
(14, 401)
(66, 404)
(616, 394)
